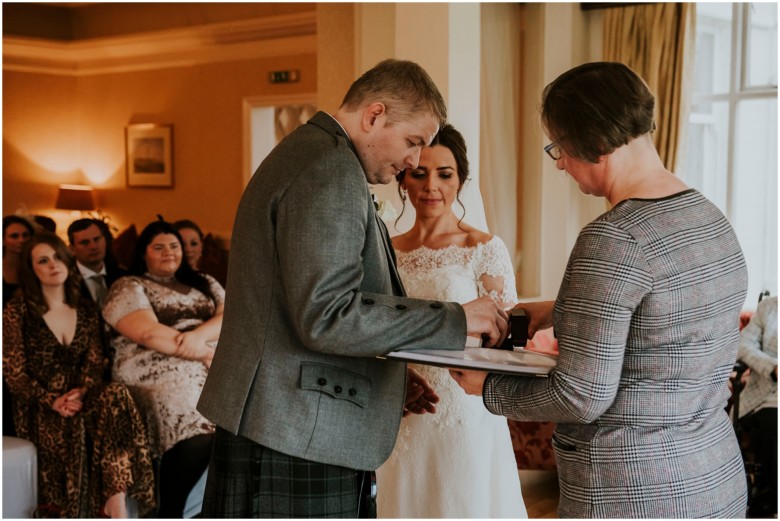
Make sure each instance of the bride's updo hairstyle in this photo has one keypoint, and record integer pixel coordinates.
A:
(453, 140)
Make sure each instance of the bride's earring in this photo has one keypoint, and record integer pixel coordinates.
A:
(403, 194)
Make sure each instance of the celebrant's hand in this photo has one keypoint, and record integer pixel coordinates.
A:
(471, 381)
(539, 315)
(420, 396)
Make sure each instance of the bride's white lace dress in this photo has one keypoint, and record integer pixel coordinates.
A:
(458, 462)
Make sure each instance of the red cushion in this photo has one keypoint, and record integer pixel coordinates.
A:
(124, 245)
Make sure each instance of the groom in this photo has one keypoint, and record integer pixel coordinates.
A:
(304, 409)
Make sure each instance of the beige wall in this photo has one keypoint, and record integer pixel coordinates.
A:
(71, 130)
(335, 47)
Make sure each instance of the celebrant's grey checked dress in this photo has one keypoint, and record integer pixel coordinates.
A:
(647, 322)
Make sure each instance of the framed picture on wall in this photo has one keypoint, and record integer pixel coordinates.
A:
(149, 151)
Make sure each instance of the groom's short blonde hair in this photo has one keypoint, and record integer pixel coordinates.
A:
(403, 86)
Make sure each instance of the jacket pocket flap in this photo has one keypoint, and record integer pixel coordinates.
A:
(336, 383)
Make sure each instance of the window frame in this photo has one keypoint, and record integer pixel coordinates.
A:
(738, 92)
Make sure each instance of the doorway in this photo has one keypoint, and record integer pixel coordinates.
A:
(267, 120)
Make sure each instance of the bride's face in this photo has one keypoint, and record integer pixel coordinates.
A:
(433, 186)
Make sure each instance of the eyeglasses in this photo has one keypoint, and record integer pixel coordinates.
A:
(554, 151)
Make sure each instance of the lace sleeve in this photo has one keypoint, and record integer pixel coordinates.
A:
(495, 274)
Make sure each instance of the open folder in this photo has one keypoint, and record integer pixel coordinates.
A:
(518, 361)
(509, 357)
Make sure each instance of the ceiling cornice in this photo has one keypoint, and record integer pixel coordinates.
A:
(241, 40)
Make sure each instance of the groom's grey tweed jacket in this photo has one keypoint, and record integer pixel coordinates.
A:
(312, 298)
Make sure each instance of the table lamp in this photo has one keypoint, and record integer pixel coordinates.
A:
(75, 197)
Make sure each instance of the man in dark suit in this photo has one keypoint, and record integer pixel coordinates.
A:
(305, 411)
(89, 240)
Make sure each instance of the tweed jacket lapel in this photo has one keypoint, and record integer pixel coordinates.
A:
(398, 287)
(329, 124)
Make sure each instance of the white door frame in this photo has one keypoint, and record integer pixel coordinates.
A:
(253, 102)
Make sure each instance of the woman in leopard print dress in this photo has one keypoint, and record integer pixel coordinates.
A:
(92, 446)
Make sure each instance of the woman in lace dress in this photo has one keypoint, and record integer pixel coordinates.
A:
(458, 462)
(168, 318)
(92, 447)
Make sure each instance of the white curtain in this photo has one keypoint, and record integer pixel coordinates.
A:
(499, 126)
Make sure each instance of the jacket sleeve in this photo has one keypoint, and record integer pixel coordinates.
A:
(606, 278)
(15, 362)
(321, 241)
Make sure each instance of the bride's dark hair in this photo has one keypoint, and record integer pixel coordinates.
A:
(453, 140)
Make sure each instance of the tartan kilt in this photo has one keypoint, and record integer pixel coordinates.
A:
(249, 480)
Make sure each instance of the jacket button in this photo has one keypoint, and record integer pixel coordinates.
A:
(368, 301)
(352, 392)
(337, 389)
(322, 381)
(400, 307)
(436, 305)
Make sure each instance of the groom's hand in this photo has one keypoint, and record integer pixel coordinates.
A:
(485, 318)
(420, 396)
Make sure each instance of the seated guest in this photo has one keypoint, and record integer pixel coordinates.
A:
(92, 447)
(45, 223)
(758, 401)
(193, 242)
(89, 240)
(758, 350)
(168, 317)
(16, 232)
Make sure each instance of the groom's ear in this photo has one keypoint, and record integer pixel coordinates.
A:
(372, 114)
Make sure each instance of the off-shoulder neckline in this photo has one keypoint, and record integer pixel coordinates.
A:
(448, 247)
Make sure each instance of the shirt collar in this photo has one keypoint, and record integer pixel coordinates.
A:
(87, 273)
(340, 125)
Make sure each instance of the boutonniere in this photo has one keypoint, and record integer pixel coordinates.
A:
(384, 209)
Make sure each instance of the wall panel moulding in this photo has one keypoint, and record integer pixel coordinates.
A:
(242, 40)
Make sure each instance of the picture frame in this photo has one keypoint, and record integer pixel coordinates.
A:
(149, 154)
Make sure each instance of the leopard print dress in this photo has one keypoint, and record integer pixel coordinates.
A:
(103, 449)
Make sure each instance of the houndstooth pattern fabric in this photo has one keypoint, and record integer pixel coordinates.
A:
(647, 321)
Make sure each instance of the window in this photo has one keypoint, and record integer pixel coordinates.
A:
(732, 142)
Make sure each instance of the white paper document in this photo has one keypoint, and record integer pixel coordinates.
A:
(519, 361)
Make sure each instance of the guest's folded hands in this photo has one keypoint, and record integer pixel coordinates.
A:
(69, 403)
(193, 345)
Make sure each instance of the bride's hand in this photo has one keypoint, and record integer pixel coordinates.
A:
(420, 396)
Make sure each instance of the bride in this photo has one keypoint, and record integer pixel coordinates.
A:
(458, 462)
